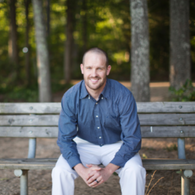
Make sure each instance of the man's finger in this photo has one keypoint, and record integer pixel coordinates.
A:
(94, 167)
(95, 183)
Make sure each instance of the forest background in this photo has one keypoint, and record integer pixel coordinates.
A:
(103, 24)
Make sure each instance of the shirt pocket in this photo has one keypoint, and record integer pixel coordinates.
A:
(112, 122)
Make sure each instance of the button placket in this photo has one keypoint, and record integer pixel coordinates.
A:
(97, 124)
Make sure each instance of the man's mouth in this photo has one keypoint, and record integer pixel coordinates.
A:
(94, 80)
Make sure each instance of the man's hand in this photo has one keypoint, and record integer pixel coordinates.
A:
(86, 173)
(97, 177)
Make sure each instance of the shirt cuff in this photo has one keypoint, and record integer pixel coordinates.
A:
(119, 161)
(73, 161)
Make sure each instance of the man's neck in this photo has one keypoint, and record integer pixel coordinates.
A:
(94, 94)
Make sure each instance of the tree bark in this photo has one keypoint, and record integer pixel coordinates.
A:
(69, 41)
(179, 43)
(84, 24)
(26, 50)
(48, 16)
(12, 45)
(140, 75)
(42, 54)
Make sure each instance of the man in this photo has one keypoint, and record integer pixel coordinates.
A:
(98, 124)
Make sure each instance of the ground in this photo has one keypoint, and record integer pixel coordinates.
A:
(163, 182)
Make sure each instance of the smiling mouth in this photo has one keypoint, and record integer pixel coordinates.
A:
(94, 80)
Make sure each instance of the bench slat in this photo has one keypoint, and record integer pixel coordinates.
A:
(55, 108)
(52, 132)
(168, 131)
(167, 119)
(149, 164)
(29, 132)
(29, 120)
(167, 164)
(163, 107)
(28, 164)
(52, 120)
(30, 108)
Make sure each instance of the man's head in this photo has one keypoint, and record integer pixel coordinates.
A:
(95, 68)
(97, 51)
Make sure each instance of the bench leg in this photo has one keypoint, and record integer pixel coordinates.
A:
(24, 183)
(181, 155)
(185, 186)
(185, 182)
(23, 174)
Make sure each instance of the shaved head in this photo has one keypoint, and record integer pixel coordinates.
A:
(96, 51)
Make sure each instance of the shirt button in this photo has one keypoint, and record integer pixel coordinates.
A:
(96, 103)
(89, 97)
(102, 98)
(96, 116)
(100, 137)
(98, 127)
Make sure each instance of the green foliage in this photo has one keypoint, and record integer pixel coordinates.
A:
(144, 156)
(105, 24)
(185, 93)
(22, 94)
(27, 93)
(56, 86)
(171, 148)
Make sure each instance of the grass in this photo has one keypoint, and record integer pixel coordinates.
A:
(149, 187)
(171, 148)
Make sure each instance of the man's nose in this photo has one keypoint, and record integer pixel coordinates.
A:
(94, 72)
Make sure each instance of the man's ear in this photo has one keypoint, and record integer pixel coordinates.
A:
(81, 66)
(108, 70)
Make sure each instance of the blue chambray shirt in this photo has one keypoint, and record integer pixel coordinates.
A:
(110, 119)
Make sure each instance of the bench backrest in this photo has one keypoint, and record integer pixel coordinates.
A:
(158, 119)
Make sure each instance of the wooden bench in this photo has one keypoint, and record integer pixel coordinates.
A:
(40, 120)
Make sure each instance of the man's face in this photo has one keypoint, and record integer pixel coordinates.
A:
(94, 71)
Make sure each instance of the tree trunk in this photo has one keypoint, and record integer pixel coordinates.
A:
(42, 54)
(140, 76)
(69, 41)
(179, 43)
(12, 46)
(84, 24)
(48, 16)
(26, 49)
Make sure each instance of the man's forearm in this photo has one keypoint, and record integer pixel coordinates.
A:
(79, 168)
(111, 168)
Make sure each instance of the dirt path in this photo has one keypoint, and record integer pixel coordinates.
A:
(40, 181)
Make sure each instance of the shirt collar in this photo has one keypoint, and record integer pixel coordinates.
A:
(84, 91)
(106, 91)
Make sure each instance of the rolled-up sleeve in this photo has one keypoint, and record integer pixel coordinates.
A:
(67, 131)
(131, 133)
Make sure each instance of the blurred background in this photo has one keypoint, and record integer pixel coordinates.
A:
(71, 27)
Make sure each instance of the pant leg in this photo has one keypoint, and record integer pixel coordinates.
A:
(133, 177)
(63, 177)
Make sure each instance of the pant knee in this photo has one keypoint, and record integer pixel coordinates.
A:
(136, 170)
(58, 171)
